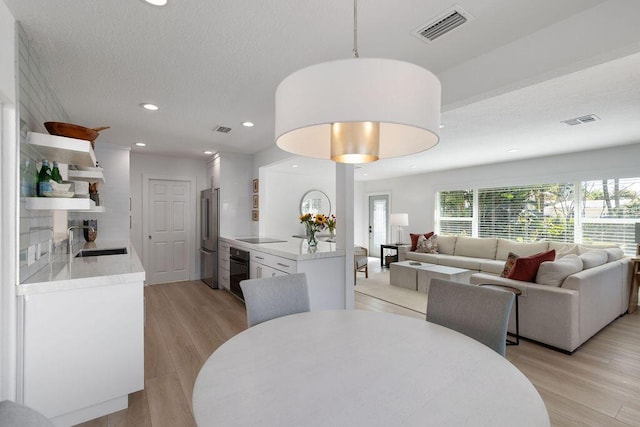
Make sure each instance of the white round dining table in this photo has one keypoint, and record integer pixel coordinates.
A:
(361, 368)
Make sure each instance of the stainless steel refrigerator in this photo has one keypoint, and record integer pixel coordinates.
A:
(209, 230)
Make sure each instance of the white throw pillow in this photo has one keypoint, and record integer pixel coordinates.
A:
(594, 258)
(553, 273)
(614, 254)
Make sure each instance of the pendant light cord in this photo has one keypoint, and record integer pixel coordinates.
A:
(355, 29)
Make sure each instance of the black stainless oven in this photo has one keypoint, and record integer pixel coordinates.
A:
(239, 266)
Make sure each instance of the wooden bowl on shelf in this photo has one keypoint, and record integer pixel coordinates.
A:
(73, 131)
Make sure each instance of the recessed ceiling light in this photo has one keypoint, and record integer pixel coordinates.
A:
(156, 2)
(294, 166)
(141, 144)
(208, 152)
(365, 174)
(441, 126)
(513, 150)
(150, 107)
(413, 166)
(247, 124)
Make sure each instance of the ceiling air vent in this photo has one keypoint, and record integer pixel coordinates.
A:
(580, 120)
(441, 25)
(222, 129)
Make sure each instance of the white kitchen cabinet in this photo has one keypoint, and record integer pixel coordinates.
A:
(268, 265)
(83, 350)
(223, 265)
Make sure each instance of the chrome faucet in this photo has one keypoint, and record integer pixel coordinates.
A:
(70, 234)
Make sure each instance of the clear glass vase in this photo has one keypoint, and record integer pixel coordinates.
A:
(311, 238)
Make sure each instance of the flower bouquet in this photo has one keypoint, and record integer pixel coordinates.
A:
(313, 224)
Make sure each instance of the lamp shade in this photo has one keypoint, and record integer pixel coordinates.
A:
(399, 219)
(403, 98)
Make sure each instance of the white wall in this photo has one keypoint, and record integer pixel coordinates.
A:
(8, 204)
(415, 194)
(168, 168)
(113, 224)
(280, 200)
(233, 174)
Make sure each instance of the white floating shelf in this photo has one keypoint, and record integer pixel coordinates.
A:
(63, 150)
(89, 176)
(61, 203)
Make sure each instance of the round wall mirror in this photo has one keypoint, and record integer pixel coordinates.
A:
(315, 202)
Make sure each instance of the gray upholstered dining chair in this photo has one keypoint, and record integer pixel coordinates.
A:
(15, 415)
(277, 296)
(478, 312)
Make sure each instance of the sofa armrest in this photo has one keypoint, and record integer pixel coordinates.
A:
(547, 314)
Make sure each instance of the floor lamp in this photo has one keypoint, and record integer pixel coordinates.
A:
(399, 220)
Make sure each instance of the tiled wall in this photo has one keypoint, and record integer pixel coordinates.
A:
(38, 104)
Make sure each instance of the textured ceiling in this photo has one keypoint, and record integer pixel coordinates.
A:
(509, 76)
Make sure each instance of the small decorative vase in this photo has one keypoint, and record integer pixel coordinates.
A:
(332, 234)
(311, 239)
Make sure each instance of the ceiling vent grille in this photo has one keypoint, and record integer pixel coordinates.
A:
(440, 26)
(580, 120)
(222, 129)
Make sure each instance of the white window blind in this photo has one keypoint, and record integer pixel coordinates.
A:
(609, 210)
(527, 213)
(603, 212)
(456, 212)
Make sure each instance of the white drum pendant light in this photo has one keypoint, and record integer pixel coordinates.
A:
(358, 110)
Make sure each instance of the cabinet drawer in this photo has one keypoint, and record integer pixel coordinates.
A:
(284, 264)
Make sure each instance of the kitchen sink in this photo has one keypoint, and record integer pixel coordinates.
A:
(100, 252)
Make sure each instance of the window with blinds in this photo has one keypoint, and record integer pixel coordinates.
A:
(592, 212)
(609, 210)
(527, 213)
(456, 212)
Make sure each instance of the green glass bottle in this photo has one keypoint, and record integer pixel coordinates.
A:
(55, 173)
(44, 186)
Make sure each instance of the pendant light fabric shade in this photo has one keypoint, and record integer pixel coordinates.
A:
(313, 103)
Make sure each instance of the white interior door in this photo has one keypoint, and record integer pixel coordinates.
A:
(378, 220)
(169, 228)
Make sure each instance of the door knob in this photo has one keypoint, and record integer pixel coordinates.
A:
(149, 237)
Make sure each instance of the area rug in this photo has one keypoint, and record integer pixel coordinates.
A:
(377, 286)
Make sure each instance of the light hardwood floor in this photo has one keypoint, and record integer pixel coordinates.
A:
(599, 385)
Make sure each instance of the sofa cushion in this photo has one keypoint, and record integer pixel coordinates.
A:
(417, 256)
(553, 273)
(614, 254)
(492, 266)
(467, 263)
(509, 264)
(476, 247)
(522, 249)
(584, 248)
(415, 237)
(526, 268)
(593, 258)
(446, 244)
(563, 249)
(429, 246)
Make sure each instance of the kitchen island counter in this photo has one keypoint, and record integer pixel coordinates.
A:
(290, 248)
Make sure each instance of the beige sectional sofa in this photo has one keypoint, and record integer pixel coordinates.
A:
(572, 298)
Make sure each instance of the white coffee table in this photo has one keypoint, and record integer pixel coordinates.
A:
(404, 274)
(429, 271)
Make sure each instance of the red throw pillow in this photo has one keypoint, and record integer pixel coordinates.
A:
(526, 268)
(414, 239)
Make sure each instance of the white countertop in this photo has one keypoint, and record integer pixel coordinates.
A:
(292, 248)
(65, 272)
